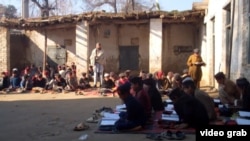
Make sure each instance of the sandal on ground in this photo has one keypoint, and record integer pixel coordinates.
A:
(168, 135)
(93, 119)
(81, 126)
(154, 136)
(180, 135)
(79, 93)
(104, 109)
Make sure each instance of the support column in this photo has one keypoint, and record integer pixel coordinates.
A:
(25, 8)
(155, 45)
(82, 47)
(4, 50)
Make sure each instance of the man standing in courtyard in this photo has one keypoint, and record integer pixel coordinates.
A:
(97, 60)
(195, 63)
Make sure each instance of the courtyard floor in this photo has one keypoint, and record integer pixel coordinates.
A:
(52, 117)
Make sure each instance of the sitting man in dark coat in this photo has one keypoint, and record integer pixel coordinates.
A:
(191, 112)
(189, 87)
(244, 87)
(141, 95)
(149, 86)
(135, 117)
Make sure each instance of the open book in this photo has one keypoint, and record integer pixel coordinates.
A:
(217, 101)
(171, 117)
(169, 107)
(109, 119)
(169, 101)
(120, 108)
(242, 121)
(107, 115)
(244, 114)
(107, 122)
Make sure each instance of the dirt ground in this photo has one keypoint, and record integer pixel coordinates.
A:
(51, 117)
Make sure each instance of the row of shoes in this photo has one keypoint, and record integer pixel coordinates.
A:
(94, 119)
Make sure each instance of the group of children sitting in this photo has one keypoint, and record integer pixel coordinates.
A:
(32, 79)
(63, 79)
(163, 83)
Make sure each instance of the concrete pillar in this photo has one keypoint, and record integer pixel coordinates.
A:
(82, 47)
(4, 49)
(155, 45)
(25, 8)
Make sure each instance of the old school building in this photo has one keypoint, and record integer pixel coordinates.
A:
(149, 41)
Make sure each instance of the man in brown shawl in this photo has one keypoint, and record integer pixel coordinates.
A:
(195, 63)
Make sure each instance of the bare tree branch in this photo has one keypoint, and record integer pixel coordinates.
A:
(64, 7)
(93, 4)
(45, 8)
(121, 5)
(37, 3)
(133, 4)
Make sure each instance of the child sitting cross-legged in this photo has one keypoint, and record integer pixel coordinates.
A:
(107, 86)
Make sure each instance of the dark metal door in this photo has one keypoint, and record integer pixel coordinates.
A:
(56, 55)
(129, 57)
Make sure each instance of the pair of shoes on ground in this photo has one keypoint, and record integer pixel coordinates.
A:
(167, 135)
(7, 91)
(20, 91)
(154, 136)
(93, 119)
(81, 126)
(103, 94)
(104, 109)
(178, 135)
(42, 91)
(56, 91)
(66, 91)
(99, 113)
(79, 93)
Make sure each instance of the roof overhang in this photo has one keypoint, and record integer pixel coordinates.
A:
(189, 16)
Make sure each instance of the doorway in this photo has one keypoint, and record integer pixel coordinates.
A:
(129, 58)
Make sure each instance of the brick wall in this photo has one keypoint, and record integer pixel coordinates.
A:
(4, 49)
